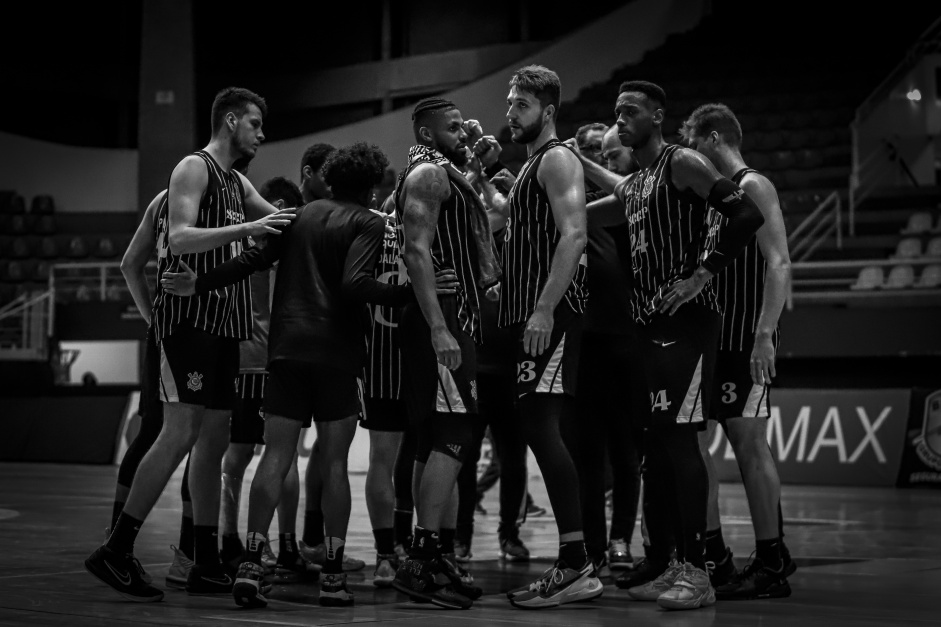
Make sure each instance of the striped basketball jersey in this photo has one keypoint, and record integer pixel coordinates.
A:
(740, 287)
(383, 375)
(454, 246)
(668, 236)
(529, 245)
(226, 312)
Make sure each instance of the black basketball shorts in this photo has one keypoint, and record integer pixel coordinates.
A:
(305, 391)
(680, 358)
(429, 387)
(735, 394)
(556, 370)
(385, 414)
(248, 419)
(198, 368)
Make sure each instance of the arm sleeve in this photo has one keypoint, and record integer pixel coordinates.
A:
(744, 221)
(234, 270)
(359, 282)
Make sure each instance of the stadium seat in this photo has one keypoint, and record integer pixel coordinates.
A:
(20, 248)
(782, 160)
(48, 248)
(38, 271)
(930, 277)
(934, 247)
(105, 249)
(45, 225)
(901, 277)
(918, 223)
(759, 161)
(18, 225)
(16, 204)
(14, 272)
(78, 249)
(808, 159)
(908, 248)
(870, 278)
(42, 205)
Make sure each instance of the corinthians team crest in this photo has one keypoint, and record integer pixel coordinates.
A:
(196, 381)
(928, 443)
(648, 185)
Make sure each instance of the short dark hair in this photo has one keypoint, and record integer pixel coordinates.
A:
(354, 170)
(280, 188)
(651, 90)
(426, 108)
(541, 82)
(235, 99)
(583, 131)
(713, 117)
(315, 156)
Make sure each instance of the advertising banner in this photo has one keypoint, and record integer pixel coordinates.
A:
(921, 461)
(831, 437)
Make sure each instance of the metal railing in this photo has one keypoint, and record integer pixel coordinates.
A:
(87, 281)
(823, 223)
(869, 171)
(26, 325)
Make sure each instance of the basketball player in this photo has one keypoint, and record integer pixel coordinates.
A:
(312, 546)
(444, 225)
(541, 301)
(316, 352)
(752, 291)
(610, 417)
(617, 158)
(386, 416)
(248, 425)
(202, 223)
(676, 307)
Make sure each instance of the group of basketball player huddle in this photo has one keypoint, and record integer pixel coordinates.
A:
(617, 295)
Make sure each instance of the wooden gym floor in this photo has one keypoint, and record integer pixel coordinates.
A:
(865, 557)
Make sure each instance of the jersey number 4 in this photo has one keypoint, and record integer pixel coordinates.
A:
(639, 242)
(659, 401)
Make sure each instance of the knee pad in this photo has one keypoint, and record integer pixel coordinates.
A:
(453, 435)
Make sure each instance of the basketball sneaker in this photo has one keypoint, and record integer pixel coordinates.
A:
(756, 581)
(652, 590)
(423, 580)
(268, 558)
(249, 589)
(723, 572)
(144, 575)
(122, 574)
(333, 591)
(208, 581)
(401, 552)
(542, 581)
(691, 590)
(619, 554)
(317, 555)
(179, 569)
(512, 548)
(562, 585)
(462, 551)
(385, 570)
(291, 567)
(232, 554)
(602, 569)
(789, 566)
(460, 577)
(644, 570)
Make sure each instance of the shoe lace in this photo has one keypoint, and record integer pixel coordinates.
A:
(137, 565)
(751, 567)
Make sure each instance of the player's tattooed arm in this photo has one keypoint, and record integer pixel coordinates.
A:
(772, 241)
(424, 189)
(135, 259)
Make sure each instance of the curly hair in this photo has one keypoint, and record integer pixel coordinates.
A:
(352, 171)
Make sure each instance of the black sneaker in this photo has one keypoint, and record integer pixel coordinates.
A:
(333, 591)
(723, 572)
(512, 548)
(789, 566)
(123, 574)
(645, 571)
(756, 581)
(291, 567)
(208, 581)
(422, 580)
(461, 579)
(232, 555)
(249, 589)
